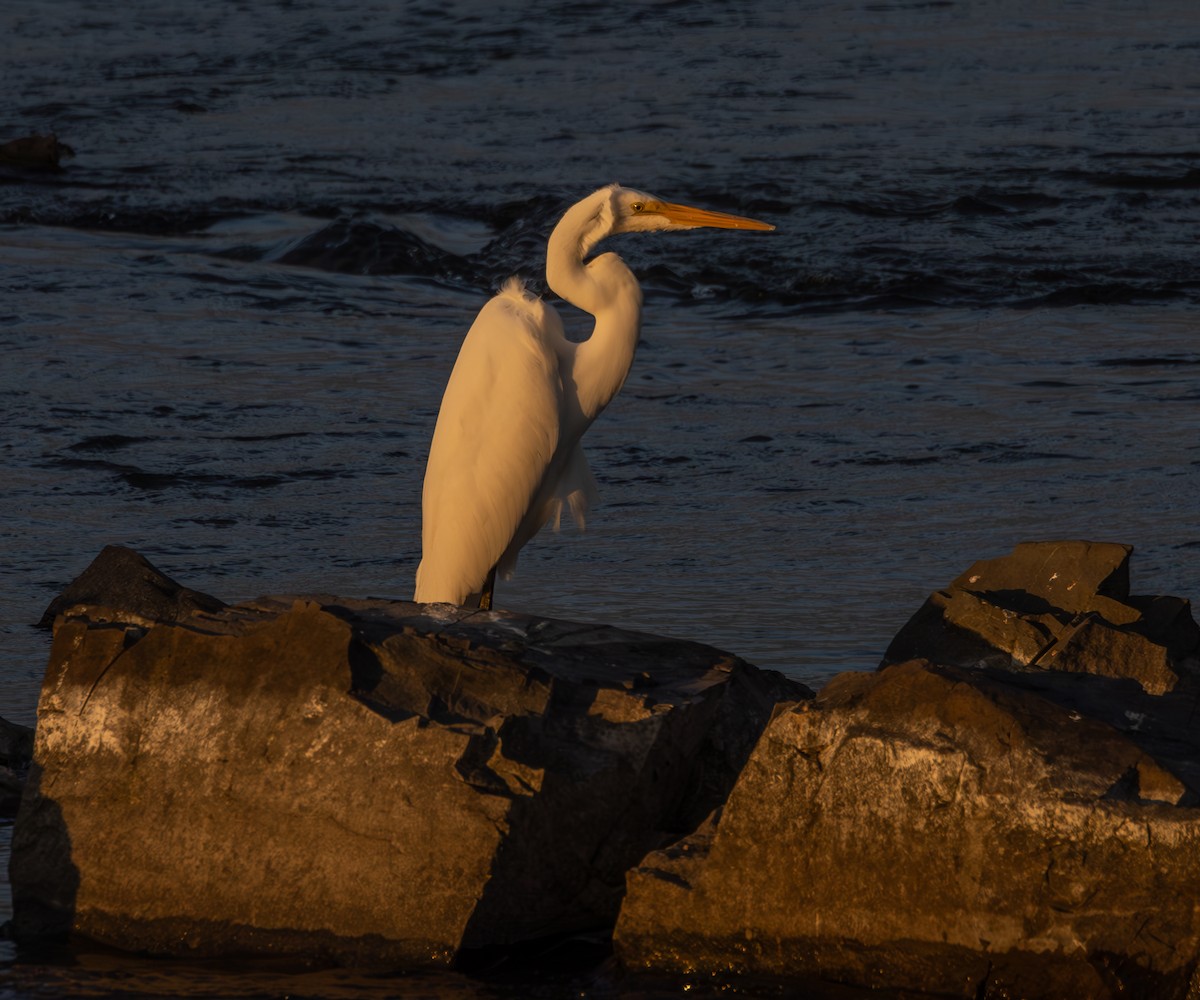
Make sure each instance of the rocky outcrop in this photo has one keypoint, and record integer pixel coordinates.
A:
(1014, 813)
(1056, 606)
(971, 832)
(930, 828)
(366, 780)
(134, 590)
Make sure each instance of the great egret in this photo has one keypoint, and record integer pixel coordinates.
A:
(506, 453)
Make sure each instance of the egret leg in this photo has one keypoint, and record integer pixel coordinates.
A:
(485, 595)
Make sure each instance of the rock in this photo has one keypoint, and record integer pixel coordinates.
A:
(11, 786)
(360, 246)
(369, 781)
(16, 745)
(134, 591)
(34, 152)
(16, 751)
(938, 829)
(1056, 606)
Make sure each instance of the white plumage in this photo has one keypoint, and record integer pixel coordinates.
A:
(506, 454)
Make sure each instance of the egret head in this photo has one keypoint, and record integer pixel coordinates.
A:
(638, 212)
(615, 209)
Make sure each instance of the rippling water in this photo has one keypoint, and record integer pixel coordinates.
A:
(227, 322)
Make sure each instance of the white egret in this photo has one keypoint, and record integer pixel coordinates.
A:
(506, 453)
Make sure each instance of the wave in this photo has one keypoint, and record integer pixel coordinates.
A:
(1005, 246)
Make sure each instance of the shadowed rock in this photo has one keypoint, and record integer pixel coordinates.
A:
(135, 591)
(16, 744)
(16, 750)
(366, 780)
(1061, 606)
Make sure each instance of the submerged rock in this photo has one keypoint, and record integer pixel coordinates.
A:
(359, 246)
(35, 152)
(1056, 606)
(365, 780)
(964, 831)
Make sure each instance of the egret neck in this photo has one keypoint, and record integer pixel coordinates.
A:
(607, 289)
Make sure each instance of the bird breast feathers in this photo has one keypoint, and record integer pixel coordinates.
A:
(498, 428)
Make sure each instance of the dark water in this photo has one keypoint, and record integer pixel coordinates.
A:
(226, 323)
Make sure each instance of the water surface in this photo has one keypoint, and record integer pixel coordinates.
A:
(227, 322)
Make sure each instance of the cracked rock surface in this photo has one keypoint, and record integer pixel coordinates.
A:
(1061, 606)
(992, 830)
(368, 780)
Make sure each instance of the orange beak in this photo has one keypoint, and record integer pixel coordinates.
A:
(695, 218)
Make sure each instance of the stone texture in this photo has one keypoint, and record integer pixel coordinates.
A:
(939, 829)
(134, 591)
(1056, 606)
(366, 780)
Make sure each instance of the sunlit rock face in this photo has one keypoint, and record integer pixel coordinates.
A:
(365, 780)
(967, 831)
(1058, 606)
(379, 781)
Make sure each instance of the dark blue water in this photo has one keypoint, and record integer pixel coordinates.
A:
(227, 321)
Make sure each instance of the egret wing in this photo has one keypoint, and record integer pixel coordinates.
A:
(496, 435)
(568, 483)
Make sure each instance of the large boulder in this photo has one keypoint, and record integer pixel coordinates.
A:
(992, 830)
(364, 780)
(929, 828)
(1056, 606)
